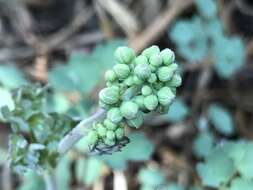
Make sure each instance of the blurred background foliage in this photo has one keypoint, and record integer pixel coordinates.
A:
(205, 139)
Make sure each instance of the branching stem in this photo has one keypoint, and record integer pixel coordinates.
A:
(79, 131)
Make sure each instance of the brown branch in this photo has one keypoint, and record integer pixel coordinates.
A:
(159, 25)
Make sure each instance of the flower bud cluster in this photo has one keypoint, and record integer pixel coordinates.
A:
(134, 86)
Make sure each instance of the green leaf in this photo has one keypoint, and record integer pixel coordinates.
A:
(221, 119)
(62, 173)
(3, 156)
(178, 111)
(217, 169)
(151, 177)
(32, 181)
(11, 77)
(241, 184)
(139, 149)
(203, 144)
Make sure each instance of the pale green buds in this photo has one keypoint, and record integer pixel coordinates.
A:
(165, 96)
(101, 130)
(114, 115)
(121, 70)
(137, 80)
(142, 70)
(110, 135)
(152, 78)
(146, 90)
(110, 76)
(156, 60)
(168, 56)
(109, 142)
(165, 73)
(141, 59)
(139, 100)
(137, 121)
(110, 125)
(119, 133)
(151, 51)
(92, 137)
(151, 102)
(124, 55)
(129, 81)
(109, 95)
(176, 81)
(129, 109)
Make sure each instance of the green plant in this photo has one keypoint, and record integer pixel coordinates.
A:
(135, 86)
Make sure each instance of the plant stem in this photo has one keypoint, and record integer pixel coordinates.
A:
(79, 131)
(49, 181)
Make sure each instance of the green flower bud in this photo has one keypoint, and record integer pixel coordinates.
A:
(92, 137)
(129, 81)
(176, 81)
(142, 70)
(109, 142)
(137, 121)
(124, 55)
(110, 125)
(168, 56)
(163, 109)
(146, 90)
(101, 130)
(109, 95)
(140, 60)
(151, 102)
(151, 51)
(158, 85)
(152, 78)
(165, 73)
(155, 60)
(103, 105)
(120, 133)
(110, 76)
(139, 100)
(129, 109)
(121, 70)
(114, 115)
(137, 80)
(110, 135)
(165, 96)
(153, 68)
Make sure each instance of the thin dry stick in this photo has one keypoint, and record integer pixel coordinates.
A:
(159, 25)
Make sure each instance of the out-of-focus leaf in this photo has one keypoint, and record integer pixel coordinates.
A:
(5, 100)
(174, 186)
(241, 184)
(151, 177)
(60, 103)
(139, 148)
(3, 156)
(178, 111)
(11, 77)
(217, 169)
(62, 174)
(32, 181)
(207, 8)
(221, 119)
(203, 144)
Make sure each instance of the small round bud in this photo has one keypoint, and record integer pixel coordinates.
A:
(150, 51)
(146, 90)
(139, 100)
(129, 81)
(165, 73)
(137, 121)
(168, 56)
(175, 81)
(110, 135)
(121, 70)
(101, 130)
(110, 76)
(155, 60)
(153, 68)
(140, 60)
(120, 133)
(129, 109)
(151, 102)
(165, 96)
(142, 70)
(109, 142)
(92, 137)
(103, 105)
(114, 115)
(109, 95)
(137, 80)
(152, 78)
(110, 125)
(124, 55)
